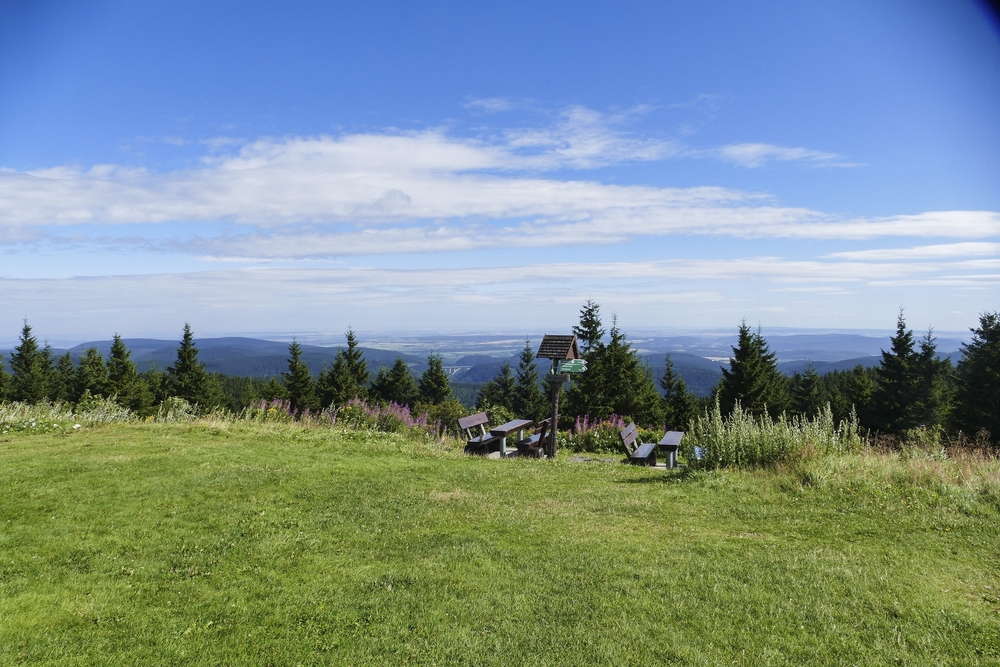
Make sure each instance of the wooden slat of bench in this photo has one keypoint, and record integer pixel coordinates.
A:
(477, 419)
(537, 438)
(482, 439)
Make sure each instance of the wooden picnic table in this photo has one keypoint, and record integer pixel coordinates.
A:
(504, 430)
(669, 444)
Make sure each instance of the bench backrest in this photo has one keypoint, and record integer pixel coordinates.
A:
(629, 434)
(467, 424)
(541, 428)
(473, 420)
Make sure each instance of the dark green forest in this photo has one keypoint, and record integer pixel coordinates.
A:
(911, 387)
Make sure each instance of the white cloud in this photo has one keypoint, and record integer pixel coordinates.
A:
(425, 191)
(939, 251)
(757, 154)
(584, 139)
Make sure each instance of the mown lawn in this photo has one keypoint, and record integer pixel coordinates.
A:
(235, 544)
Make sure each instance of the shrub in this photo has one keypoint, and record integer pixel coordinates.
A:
(744, 441)
(100, 410)
(175, 409)
(443, 417)
(923, 441)
(498, 414)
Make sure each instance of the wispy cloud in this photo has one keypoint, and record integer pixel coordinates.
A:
(255, 298)
(491, 104)
(939, 251)
(707, 103)
(759, 154)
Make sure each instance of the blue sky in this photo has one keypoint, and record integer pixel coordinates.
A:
(300, 167)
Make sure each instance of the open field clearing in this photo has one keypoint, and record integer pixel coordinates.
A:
(228, 543)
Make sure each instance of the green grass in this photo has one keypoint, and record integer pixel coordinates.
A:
(273, 544)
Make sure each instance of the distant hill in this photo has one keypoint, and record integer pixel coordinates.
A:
(248, 357)
(700, 374)
(824, 367)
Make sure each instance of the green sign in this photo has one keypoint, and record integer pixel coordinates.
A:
(572, 366)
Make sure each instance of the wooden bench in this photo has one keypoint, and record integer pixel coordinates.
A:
(477, 444)
(643, 454)
(534, 445)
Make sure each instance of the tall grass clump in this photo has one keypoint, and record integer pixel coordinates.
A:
(45, 417)
(38, 418)
(276, 411)
(383, 417)
(741, 440)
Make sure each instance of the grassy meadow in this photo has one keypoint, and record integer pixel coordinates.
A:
(227, 543)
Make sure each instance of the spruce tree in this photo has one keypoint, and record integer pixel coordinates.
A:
(934, 383)
(158, 384)
(435, 386)
(590, 330)
(977, 404)
(897, 391)
(272, 389)
(499, 391)
(862, 385)
(395, 385)
(585, 395)
(347, 378)
(64, 384)
(752, 378)
(187, 377)
(28, 373)
(333, 383)
(808, 397)
(52, 389)
(849, 390)
(627, 387)
(123, 378)
(529, 401)
(4, 382)
(91, 375)
(679, 404)
(298, 381)
(357, 367)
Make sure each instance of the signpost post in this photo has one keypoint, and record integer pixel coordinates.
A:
(565, 355)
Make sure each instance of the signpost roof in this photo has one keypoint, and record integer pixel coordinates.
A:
(558, 347)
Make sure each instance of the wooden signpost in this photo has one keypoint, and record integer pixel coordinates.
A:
(564, 353)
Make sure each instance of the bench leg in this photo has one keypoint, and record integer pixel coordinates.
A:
(503, 446)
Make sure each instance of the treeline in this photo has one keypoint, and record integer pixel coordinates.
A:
(910, 387)
(37, 376)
